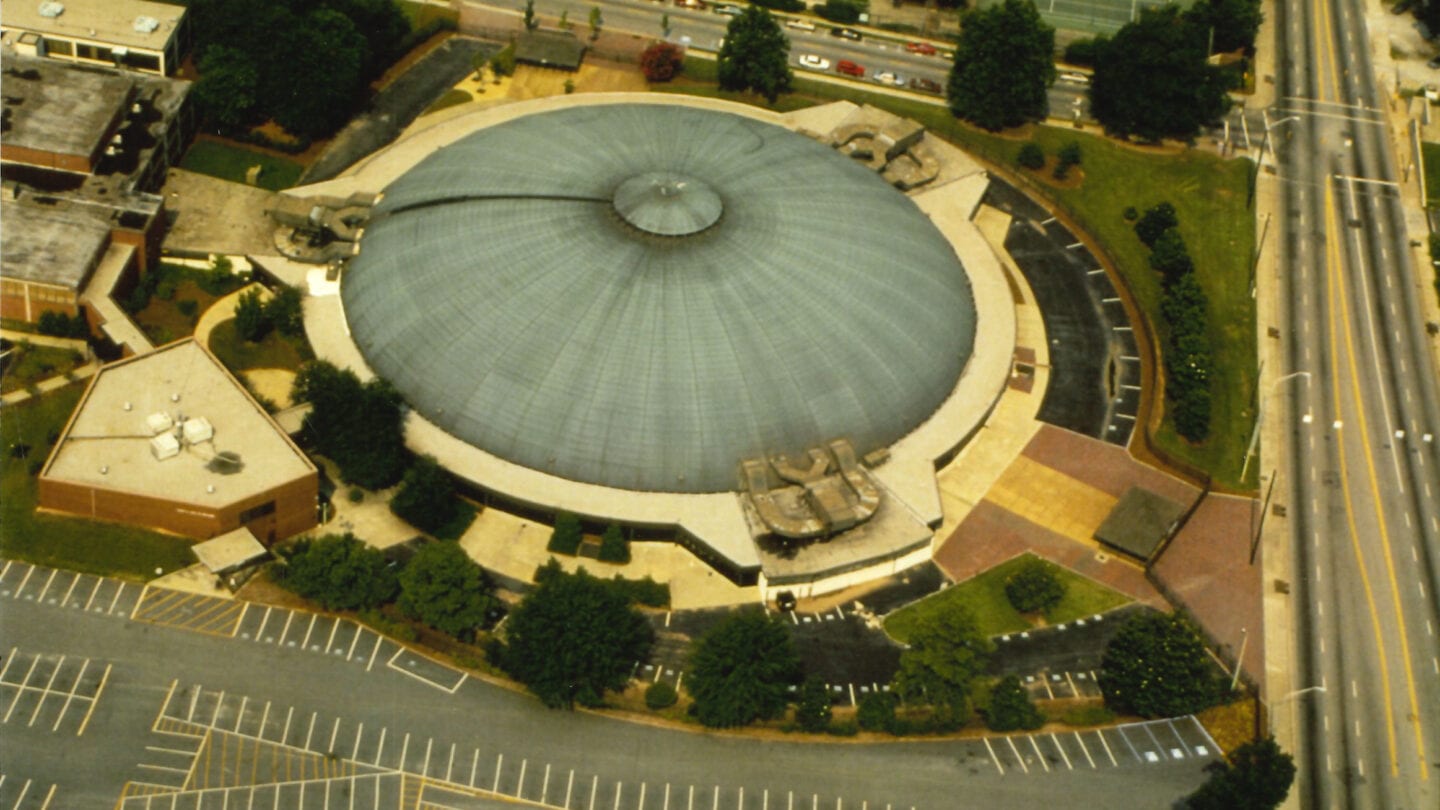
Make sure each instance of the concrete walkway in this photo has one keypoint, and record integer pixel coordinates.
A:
(51, 384)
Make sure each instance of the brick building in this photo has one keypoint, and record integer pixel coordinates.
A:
(136, 35)
(169, 440)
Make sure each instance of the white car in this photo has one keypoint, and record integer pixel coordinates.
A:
(889, 78)
(1073, 77)
(814, 62)
(800, 25)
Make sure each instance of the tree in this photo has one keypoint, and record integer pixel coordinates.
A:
(661, 61)
(358, 426)
(283, 311)
(1169, 257)
(1156, 666)
(1011, 709)
(567, 535)
(1034, 587)
(1031, 156)
(340, 572)
(614, 548)
(947, 651)
(250, 322)
(741, 671)
(1152, 80)
(812, 713)
(1157, 220)
(1230, 25)
(876, 711)
(844, 12)
(530, 22)
(225, 93)
(1068, 156)
(1004, 62)
(324, 76)
(755, 55)
(426, 499)
(661, 695)
(595, 22)
(1257, 776)
(574, 638)
(442, 587)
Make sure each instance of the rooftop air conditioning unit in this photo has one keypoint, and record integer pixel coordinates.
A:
(146, 25)
(198, 430)
(164, 446)
(51, 9)
(158, 422)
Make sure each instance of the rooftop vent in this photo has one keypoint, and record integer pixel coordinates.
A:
(51, 9)
(145, 24)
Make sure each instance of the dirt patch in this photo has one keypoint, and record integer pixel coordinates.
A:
(1232, 725)
(595, 76)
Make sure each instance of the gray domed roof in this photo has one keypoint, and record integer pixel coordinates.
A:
(641, 296)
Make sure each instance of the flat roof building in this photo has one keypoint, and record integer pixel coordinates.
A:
(170, 440)
(132, 34)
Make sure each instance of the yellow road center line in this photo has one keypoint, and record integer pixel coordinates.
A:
(1332, 250)
(1384, 536)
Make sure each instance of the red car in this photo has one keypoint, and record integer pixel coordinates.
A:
(920, 47)
(849, 68)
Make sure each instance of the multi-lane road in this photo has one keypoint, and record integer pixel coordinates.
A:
(1356, 395)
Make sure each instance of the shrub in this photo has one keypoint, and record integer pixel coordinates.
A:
(567, 536)
(813, 710)
(645, 591)
(60, 324)
(355, 495)
(165, 289)
(1069, 155)
(614, 548)
(426, 499)
(1011, 709)
(503, 63)
(842, 11)
(340, 572)
(877, 711)
(1031, 156)
(1130, 213)
(660, 695)
(1034, 587)
(661, 61)
(1156, 221)
(188, 307)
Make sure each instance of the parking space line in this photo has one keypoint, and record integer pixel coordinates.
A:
(46, 588)
(1126, 738)
(1156, 740)
(29, 571)
(93, 591)
(4, 571)
(1038, 755)
(1016, 752)
(331, 639)
(1111, 754)
(380, 749)
(116, 599)
(70, 696)
(9, 659)
(94, 701)
(353, 641)
(1083, 748)
(284, 631)
(240, 715)
(1214, 747)
(35, 661)
(1061, 749)
(305, 642)
(65, 600)
(988, 747)
(45, 692)
(373, 651)
(264, 620)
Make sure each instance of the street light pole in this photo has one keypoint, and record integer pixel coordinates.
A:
(1260, 417)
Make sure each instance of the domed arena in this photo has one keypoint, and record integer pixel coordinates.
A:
(642, 296)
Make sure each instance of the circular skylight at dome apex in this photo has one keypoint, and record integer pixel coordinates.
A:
(668, 204)
(641, 296)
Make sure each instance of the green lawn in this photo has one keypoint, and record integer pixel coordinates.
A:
(275, 351)
(1209, 195)
(29, 363)
(1430, 153)
(420, 14)
(231, 162)
(80, 545)
(984, 595)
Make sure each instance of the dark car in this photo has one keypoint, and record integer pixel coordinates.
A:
(845, 33)
(925, 85)
(1433, 63)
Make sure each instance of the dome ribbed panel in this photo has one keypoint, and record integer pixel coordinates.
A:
(500, 291)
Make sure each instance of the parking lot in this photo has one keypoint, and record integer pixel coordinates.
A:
(1130, 745)
(25, 794)
(53, 692)
(67, 589)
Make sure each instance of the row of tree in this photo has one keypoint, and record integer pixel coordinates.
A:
(1185, 322)
(303, 63)
(440, 586)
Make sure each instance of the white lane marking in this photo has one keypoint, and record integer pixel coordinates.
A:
(988, 747)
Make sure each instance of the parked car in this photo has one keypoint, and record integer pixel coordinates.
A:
(800, 25)
(727, 9)
(886, 77)
(1074, 77)
(926, 85)
(924, 48)
(814, 62)
(849, 68)
(845, 33)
